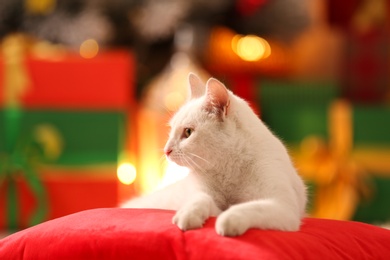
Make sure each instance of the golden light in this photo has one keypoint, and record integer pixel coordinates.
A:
(250, 47)
(89, 49)
(40, 7)
(267, 48)
(173, 100)
(126, 173)
(234, 42)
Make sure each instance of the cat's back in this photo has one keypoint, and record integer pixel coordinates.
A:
(265, 156)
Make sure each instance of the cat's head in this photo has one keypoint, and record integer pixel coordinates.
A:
(202, 129)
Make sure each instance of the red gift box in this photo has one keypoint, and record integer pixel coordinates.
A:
(73, 82)
(68, 191)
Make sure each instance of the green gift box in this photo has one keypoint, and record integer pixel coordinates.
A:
(88, 103)
(91, 143)
(371, 126)
(89, 137)
(295, 110)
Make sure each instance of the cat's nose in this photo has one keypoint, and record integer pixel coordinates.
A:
(167, 151)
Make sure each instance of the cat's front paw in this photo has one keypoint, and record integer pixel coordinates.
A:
(190, 218)
(231, 223)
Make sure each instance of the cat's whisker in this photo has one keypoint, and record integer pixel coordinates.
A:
(225, 174)
(161, 151)
(167, 110)
(162, 107)
(197, 156)
(190, 161)
(163, 161)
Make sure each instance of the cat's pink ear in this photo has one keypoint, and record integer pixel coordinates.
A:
(197, 87)
(217, 98)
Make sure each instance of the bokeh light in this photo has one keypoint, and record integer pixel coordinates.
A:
(89, 49)
(126, 173)
(250, 47)
(173, 100)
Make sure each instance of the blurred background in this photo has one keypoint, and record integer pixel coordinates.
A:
(87, 87)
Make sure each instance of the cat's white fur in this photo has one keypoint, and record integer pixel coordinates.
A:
(239, 171)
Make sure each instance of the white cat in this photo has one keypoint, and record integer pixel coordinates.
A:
(239, 171)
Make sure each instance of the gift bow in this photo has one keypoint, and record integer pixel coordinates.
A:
(24, 152)
(339, 178)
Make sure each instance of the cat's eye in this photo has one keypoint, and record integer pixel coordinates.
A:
(187, 132)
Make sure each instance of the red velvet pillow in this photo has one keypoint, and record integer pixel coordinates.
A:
(149, 234)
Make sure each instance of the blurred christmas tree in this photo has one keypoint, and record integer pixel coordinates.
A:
(148, 26)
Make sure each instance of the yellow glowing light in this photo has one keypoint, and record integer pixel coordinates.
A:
(250, 47)
(173, 101)
(267, 48)
(89, 49)
(234, 42)
(126, 173)
(41, 7)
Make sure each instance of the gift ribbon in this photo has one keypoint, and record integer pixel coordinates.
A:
(21, 163)
(21, 155)
(339, 177)
(338, 170)
(12, 117)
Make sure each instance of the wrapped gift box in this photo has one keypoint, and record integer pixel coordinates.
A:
(68, 190)
(68, 81)
(371, 125)
(295, 110)
(88, 137)
(89, 103)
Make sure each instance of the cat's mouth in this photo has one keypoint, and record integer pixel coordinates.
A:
(176, 159)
